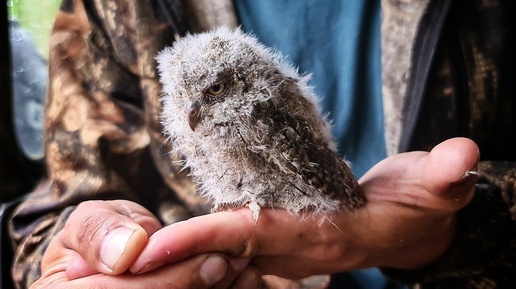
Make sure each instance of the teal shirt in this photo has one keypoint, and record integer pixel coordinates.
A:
(338, 42)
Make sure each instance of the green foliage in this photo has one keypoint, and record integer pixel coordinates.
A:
(37, 17)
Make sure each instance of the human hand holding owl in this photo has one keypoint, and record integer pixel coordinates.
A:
(252, 134)
(409, 222)
(410, 196)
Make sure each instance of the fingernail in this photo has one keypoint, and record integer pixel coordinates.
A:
(148, 267)
(113, 246)
(474, 170)
(213, 269)
(466, 178)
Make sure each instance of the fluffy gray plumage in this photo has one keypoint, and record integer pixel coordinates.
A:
(250, 127)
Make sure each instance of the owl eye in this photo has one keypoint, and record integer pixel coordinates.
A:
(216, 89)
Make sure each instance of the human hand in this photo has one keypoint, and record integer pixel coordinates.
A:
(409, 222)
(102, 239)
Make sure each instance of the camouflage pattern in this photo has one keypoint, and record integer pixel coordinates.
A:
(104, 141)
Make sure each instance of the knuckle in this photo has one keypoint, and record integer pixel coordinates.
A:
(88, 226)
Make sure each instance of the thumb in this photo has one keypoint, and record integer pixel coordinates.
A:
(101, 236)
(450, 172)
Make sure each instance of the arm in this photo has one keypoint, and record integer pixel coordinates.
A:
(422, 224)
(101, 131)
(473, 52)
(483, 251)
(409, 222)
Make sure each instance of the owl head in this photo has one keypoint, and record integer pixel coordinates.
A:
(215, 78)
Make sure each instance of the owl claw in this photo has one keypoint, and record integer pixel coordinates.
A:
(255, 208)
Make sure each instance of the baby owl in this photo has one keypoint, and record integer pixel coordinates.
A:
(250, 127)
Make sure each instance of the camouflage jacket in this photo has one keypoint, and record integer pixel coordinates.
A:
(446, 72)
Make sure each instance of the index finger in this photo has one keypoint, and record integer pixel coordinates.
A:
(234, 233)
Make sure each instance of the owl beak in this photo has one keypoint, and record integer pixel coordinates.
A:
(194, 114)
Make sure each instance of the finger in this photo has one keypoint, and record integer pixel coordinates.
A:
(77, 267)
(250, 278)
(219, 232)
(237, 267)
(101, 236)
(434, 180)
(203, 271)
(233, 233)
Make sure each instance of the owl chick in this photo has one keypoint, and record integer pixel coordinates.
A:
(250, 127)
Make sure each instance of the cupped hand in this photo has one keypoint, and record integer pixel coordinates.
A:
(408, 222)
(101, 239)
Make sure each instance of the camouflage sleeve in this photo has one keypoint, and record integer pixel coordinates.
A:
(102, 133)
(483, 252)
(474, 52)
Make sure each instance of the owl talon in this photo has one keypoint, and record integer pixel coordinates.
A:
(255, 208)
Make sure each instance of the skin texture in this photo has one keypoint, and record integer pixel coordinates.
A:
(412, 201)
(102, 239)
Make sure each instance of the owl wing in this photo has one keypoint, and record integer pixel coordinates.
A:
(308, 156)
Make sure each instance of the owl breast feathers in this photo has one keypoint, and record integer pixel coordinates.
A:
(250, 128)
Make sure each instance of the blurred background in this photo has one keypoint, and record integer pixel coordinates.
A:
(25, 26)
(37, 18)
